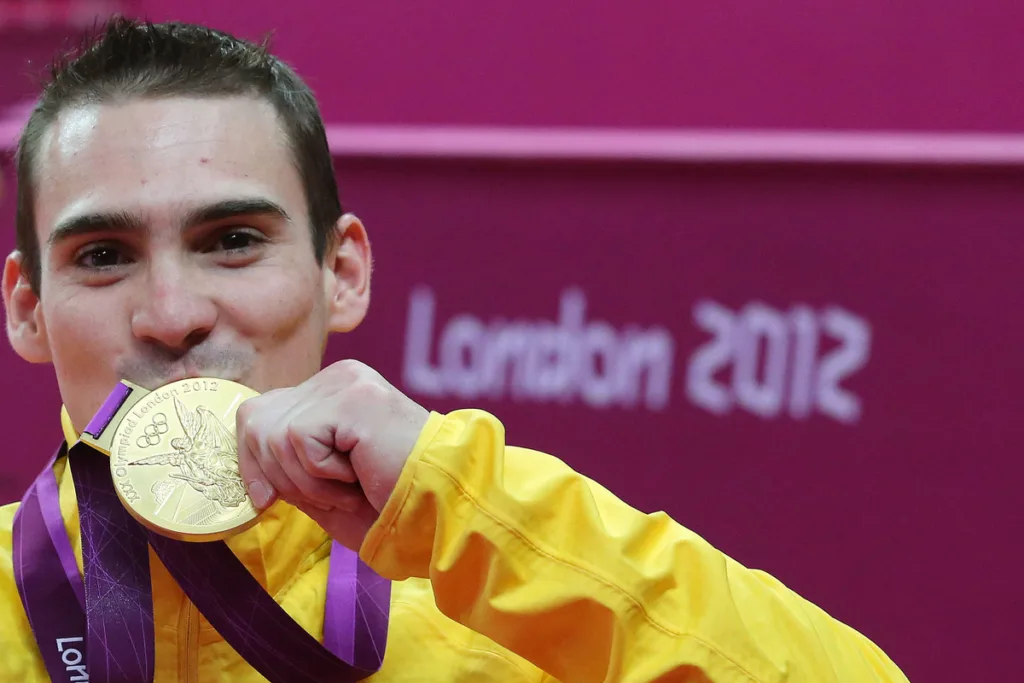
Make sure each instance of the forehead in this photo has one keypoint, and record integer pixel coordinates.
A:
(161, 157)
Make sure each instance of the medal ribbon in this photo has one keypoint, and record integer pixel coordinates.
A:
(111, 627)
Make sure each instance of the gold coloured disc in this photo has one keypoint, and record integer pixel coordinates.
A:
(174, 461)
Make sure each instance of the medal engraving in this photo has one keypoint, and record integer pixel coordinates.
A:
(175, 460)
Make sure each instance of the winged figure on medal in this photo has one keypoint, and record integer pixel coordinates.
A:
(206, 457)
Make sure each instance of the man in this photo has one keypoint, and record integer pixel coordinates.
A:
(178, 217)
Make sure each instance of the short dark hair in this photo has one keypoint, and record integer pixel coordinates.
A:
(133, 59)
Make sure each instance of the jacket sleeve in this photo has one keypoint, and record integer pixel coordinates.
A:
(552, 566)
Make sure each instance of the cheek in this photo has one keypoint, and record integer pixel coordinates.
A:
(282, 310)
(84, 343)
(81, 336)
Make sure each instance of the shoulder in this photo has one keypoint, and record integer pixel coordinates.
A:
(21, 661)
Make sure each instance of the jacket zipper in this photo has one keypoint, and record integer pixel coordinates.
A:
(188, 642)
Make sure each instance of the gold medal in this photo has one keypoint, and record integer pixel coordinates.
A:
(174, 458)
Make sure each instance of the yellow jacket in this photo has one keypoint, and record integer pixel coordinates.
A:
(509, 566)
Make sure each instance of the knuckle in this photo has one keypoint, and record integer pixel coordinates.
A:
(246, 406)
(351, 365)
(342, 369)
(349, 370)
(243, 414)
(295, 433)
(253, 448)
(247, 416)
(309, 467)
(279, 445)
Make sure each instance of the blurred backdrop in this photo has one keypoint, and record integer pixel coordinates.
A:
(756, 264)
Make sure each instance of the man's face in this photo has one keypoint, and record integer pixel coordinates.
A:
(174, 242)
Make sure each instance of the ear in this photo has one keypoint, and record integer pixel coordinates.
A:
(26, 328)
(347, 266)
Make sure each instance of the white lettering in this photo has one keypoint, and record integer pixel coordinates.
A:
(62, 641)
(759, 322)
(805, 353)
(761, 336)
(647, 354)
(765, 361)
(854, 335)
(711, 358)
(504, 363)
(461, 348)
(566, 360)
(418, 375)
(550, 361)
(71, 656)
(599, 365)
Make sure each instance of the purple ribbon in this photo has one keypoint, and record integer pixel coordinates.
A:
(114, 631)
(55, 609)
(118, 591)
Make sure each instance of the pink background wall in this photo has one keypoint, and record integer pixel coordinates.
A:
(901, 518)
(799, 64)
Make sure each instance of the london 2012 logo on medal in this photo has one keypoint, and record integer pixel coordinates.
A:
(175, 460)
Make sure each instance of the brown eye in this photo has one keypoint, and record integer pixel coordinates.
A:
(101, 257)
(237, 240)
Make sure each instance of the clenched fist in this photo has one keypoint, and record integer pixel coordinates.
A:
(334, 446)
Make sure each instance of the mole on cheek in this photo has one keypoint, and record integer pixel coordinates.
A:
(204, 160)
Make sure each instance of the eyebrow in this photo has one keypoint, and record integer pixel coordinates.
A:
(123, 221)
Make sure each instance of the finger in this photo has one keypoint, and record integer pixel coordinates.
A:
(317, 455)
(251, 421)
(260, 433)
(265, 488)
(301, 486)
(261, 492)
(329, 465)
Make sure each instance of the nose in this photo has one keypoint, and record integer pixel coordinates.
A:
(173, 312)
